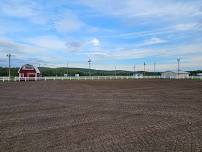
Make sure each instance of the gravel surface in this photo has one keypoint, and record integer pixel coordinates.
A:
(97, 116)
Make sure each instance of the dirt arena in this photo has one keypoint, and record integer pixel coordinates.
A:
(98, 116)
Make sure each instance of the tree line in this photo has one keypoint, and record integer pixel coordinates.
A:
(46, 71)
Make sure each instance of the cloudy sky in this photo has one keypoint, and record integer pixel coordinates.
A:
(110, 32)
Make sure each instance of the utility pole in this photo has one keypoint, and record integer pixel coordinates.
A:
(89, 62)
(154, 67)
(134, 69)
(178, 67)
(144, 68)
(9, 65)
(39, 65)
(115, 71)
(67, 69)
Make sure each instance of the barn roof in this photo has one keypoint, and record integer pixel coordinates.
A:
(37, 69)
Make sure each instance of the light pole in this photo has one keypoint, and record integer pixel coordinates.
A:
(39, 65)
(115, 71)
(9, 65)
(89, 63)
(178, 67)
(67, 69)
(144, 68)
(134, 70)
(154, 67)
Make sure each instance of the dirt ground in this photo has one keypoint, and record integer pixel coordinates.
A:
(97, 116)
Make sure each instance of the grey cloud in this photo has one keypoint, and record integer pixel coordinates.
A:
(74, 46)
(9, 46)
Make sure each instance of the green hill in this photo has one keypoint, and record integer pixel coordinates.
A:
(46, 71)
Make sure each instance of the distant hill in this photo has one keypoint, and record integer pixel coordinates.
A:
(194, 73)
(81, 71)
(46, 71)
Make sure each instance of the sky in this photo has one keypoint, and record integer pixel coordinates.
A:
(112, 33)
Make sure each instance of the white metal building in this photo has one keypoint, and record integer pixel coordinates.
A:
(175, 75)
(199, 74)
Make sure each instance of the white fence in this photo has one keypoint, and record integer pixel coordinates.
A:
(89, 78)
(78, 78)
(4, 79)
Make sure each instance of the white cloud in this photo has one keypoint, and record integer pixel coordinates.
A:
(122, 53)
(95, 42)
(36, 52)
(48, 42)
(69, 22)
(7, 45)
(186, 27)
(29, 10)
(144, 8)
(58, 44)
(18, 8)
(154, 40)
(185, 51)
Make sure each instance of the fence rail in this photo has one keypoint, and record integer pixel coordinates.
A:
(4, 79)
(90, 78)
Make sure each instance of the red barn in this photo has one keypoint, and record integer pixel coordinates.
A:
(28, 70)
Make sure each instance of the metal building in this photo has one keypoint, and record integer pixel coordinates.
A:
(175, 75)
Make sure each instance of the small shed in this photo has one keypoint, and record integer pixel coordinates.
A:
(175, 74)
(138, 75)
(28, 70)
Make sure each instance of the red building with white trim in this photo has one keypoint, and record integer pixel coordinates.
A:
(28, 70)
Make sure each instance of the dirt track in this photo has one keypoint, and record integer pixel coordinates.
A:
(116, 115)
